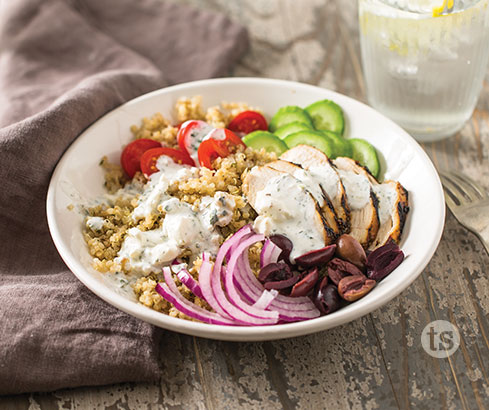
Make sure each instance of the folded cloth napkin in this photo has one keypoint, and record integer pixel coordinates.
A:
(63, 64)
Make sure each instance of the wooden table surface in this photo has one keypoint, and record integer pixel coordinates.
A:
(374, 362)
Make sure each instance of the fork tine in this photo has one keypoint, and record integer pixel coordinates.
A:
(450, 202)
(451, 191)
(470, 183)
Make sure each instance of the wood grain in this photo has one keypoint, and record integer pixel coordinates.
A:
(374, 362)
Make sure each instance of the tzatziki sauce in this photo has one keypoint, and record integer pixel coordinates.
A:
(357, 188)
(387, 196)
(184, 227)
(287, 208)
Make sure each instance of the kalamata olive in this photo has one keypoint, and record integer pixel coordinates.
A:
(349, 249)
(384, 260)
(327, 299)
(277, 276)
(303, 287)
(352, 288)
(317, 257)
(283, 243)
(338, 269)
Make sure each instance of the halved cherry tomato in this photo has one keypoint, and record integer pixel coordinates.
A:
(131, 155)
(219, 143)
(149, 158)
(248, 121)
(191, 134)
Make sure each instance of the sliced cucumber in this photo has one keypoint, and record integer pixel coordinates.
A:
(290, 128)
(342, 146)
(313, 138)
(288, 114)
(265, 139)
(366, 155)
(327, 115)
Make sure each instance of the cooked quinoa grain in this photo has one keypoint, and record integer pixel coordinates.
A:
(106, 224)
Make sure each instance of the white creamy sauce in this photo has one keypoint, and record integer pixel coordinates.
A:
(95, 223)
(357, 188)
(184, 227)
(285, 207)
(311, 183)
(327, 177)
(195, 137)
(155, 191)
(387, 197)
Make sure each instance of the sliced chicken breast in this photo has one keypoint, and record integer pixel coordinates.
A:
(312, 184)
(361, 198)
(392, 206)
(317, 162)
(284, 206)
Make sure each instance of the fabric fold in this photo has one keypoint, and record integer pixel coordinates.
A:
(64, 64)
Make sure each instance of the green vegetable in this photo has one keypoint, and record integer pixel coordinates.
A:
(342, 148)
(313, 138)
(327, 115)
(265, 139)
(365, 154)
(286, 115)
(290, 128)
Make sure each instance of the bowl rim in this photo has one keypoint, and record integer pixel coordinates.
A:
(238, 333)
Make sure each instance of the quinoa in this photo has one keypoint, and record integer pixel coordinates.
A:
(105, 240)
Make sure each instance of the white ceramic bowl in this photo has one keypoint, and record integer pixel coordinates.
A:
(78, 178)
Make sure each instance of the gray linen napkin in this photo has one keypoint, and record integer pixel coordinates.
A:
(63, 64)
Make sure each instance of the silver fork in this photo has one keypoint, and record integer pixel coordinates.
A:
(469, 203)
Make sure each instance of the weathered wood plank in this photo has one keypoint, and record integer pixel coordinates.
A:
(374, 362)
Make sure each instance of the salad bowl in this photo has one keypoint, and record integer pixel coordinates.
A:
(78, 180)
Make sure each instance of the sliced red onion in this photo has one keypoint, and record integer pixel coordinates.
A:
(235, 312)
(190, 283)
(289, 309)
(281, 301)
(170, 292)
(205, 275)
(245, 230)
(265, 299)
(269, 253)
(233, 295)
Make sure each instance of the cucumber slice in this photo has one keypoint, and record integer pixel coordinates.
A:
(288, 114)
(313, 138)
(342, 148)
(265, 139)
(290, 128)
(327, 115)
(366, 155)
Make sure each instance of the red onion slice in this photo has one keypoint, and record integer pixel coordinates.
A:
(205, 275)
(281, 301)
(233, 295)
(170, 292)
(229, 306)
(265, 299)
(269, 253)
(187, 279)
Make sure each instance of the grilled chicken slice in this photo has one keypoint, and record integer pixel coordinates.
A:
(285, 207)
(361, 199)
(392, 207)
(313, 186)
(315, 161)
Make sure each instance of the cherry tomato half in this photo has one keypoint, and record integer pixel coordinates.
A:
(131, 155)
(149, 158)
(248, 121)
(219, 143)
(191, 134)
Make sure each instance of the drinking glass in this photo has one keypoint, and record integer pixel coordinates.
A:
(424, 64)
